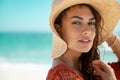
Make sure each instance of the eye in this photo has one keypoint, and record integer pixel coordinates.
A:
(91, 23)
(76, 22)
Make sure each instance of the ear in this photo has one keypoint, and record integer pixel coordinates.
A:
(57, 27)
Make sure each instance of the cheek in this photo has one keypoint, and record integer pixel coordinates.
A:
(65, 35)
(68, 37)
(93, 32)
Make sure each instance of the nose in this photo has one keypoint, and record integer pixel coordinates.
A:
(86, 30)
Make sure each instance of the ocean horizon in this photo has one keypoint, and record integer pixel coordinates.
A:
(26, 56)
(25, 47)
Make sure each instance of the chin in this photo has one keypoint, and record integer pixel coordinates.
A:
(85, 50)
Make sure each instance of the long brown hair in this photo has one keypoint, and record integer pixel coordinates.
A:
(85, 60)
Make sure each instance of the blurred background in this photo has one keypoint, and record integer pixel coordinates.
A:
(24, 31)
(26, 40)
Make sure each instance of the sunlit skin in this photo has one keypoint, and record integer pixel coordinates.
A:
(78, 31)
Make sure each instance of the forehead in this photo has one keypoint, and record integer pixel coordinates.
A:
(79, 10)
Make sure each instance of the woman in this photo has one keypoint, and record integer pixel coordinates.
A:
(78, 28)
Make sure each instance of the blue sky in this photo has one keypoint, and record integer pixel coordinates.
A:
(24, 15)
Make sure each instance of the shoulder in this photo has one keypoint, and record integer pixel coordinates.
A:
(62, 72)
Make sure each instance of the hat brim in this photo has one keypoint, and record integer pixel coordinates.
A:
(108, 9)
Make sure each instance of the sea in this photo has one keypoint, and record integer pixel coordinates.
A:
(27, 55)
(26, 47)
(34, 48)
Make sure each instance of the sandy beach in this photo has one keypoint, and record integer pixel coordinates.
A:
(14, 71)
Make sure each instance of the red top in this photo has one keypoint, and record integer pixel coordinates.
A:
(64, 72)
(116, 68)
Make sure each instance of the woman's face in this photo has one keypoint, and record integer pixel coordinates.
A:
(78, 28)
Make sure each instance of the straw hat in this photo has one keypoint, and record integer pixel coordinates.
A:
(108, 9)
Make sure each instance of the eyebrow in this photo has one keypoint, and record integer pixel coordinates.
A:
(82, 18)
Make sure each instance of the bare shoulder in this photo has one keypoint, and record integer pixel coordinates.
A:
(57, 61)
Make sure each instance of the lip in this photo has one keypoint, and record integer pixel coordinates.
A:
(85, 41)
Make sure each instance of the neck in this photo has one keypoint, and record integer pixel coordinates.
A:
(71, 58)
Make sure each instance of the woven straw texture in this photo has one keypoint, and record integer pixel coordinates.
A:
(108, 9)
